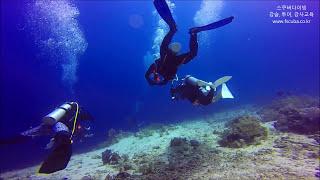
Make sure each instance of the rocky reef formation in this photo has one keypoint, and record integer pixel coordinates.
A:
(183, 153)
(109, 157)
(301, 121)
(243, 131)
(182, 157)
(298, 114)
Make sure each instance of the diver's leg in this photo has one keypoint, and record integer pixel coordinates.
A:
(165, 42)
(193, 46)
(214, 25)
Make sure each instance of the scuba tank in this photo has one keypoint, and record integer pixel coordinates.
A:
(191, 80)
(197, 82)
(57, 114)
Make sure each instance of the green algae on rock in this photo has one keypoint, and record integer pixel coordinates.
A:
(243, 131)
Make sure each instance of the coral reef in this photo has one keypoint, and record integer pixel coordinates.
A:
(178, 142)
(183, 153)
(109, 157)
(181, 159)
(298, 114)
(301, 121)
(243, 131)
(271, 112)
(112, 133)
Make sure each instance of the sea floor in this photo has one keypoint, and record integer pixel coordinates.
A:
(147, 155)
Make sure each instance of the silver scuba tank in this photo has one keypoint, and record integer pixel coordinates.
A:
(191, 80)
(57, 114)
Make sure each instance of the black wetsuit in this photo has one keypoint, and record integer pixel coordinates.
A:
(168, 63)
(192, 93)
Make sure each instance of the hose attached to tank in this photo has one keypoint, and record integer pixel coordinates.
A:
(75, 121)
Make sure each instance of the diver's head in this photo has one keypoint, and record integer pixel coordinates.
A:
(175, 47)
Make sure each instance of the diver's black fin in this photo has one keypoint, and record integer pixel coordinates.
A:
(164, 11)
(214, 25)
(59, 158)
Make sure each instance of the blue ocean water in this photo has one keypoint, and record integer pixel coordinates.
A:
(108, 80)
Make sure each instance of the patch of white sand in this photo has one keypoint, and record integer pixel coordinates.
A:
(156, 143)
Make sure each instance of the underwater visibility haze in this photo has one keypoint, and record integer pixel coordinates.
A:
(159, 89)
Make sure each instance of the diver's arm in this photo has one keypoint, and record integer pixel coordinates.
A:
(166, 41)
(17, 139)
(193, 45)
(149, 71)
(27, 135)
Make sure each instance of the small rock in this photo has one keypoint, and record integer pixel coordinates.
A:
(125, 157)
(295, 157)
(122, 175)
(216, 132)
(279, 146)
(109, 157)
(304, 145)
(311, 155)
(108, 177)
(194, 143)
(178, 141)
(87, 178)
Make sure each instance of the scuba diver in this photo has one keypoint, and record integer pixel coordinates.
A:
(65, 124)
(165, 68)
(201, 92)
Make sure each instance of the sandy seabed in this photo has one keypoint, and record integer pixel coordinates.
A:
(148, 156)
